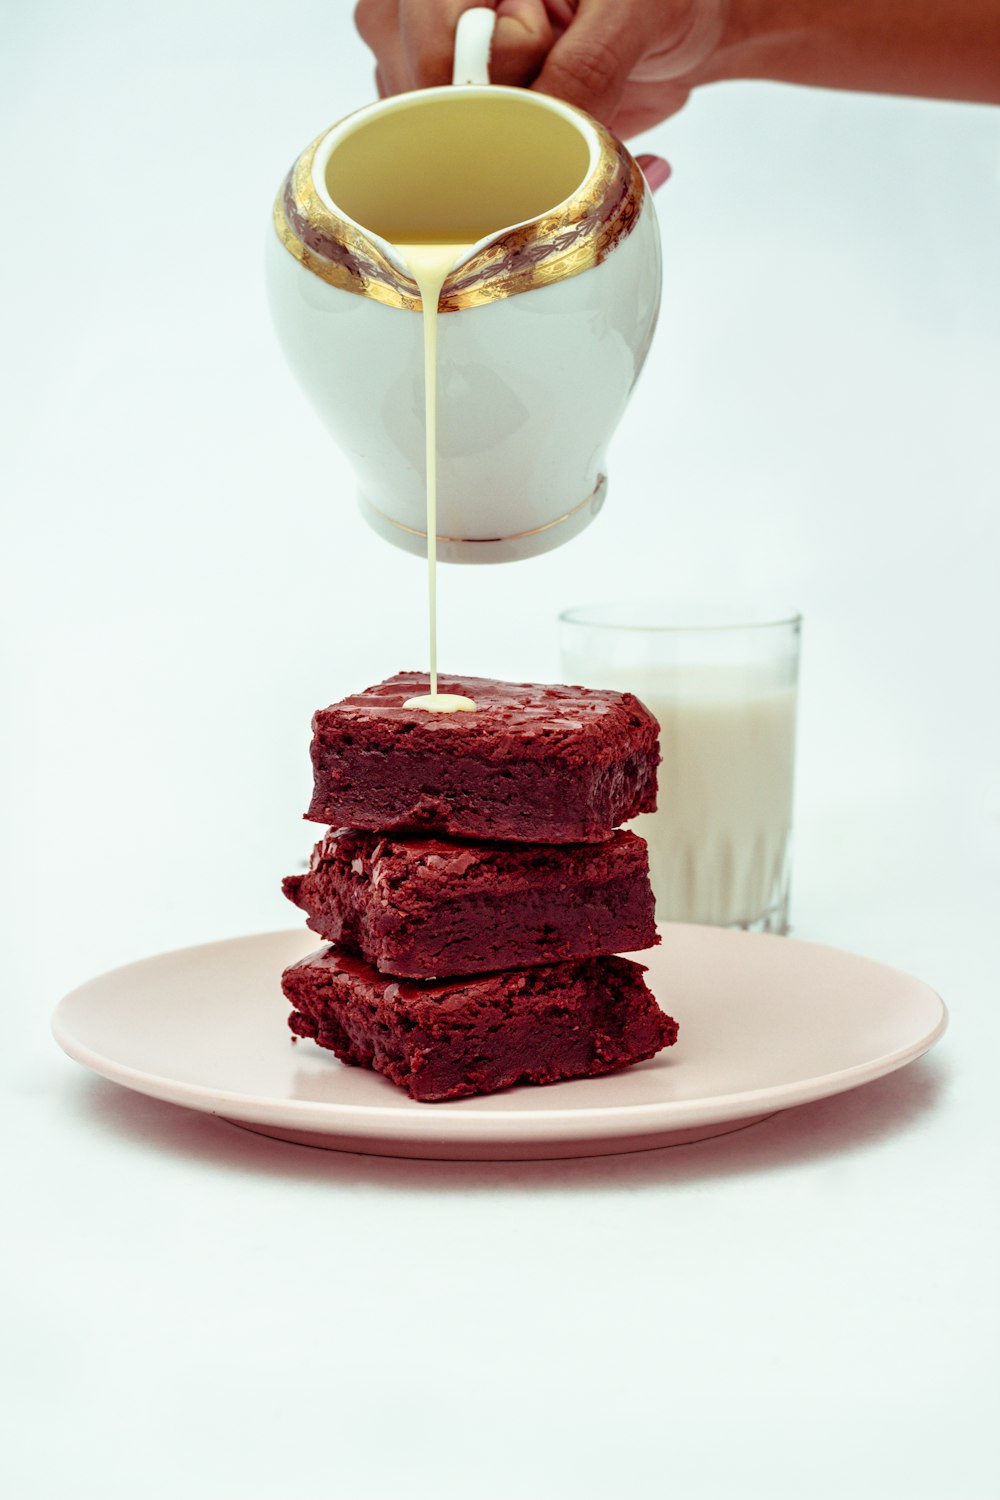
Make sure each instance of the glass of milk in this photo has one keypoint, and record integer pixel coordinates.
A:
(723, 688)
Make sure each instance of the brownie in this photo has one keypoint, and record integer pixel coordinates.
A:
(472, 1036)
(428, 907)
(537, 764)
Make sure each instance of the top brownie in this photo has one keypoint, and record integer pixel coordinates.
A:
(534, 763)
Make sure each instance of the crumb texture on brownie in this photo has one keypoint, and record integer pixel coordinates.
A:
(535, 763)
(423, 907)
(448, 1040)
(542, 714)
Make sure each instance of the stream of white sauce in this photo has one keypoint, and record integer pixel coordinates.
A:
(429, 264)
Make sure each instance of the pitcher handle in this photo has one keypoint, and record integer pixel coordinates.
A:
(473, 41)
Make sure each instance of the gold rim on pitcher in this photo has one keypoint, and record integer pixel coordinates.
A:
(573, 237)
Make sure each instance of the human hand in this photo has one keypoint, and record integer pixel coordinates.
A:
(630, 63)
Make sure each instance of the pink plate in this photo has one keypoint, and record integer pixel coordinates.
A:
(765, 1023)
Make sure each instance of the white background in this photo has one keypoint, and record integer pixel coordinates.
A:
(806, 1309)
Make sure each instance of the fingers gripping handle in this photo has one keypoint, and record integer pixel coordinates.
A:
(473, 40)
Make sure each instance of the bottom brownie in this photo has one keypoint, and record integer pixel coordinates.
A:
(472, 1036)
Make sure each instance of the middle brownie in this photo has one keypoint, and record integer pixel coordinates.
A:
(426, 908)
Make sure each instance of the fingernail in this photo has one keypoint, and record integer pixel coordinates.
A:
(655, 169)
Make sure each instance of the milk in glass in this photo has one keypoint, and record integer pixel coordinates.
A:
(719, 841)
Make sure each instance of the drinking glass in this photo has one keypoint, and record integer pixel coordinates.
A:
(723, 689)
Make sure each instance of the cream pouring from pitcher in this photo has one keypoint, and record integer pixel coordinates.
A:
(546, 312)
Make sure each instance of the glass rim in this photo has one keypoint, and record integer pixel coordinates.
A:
(587, 615)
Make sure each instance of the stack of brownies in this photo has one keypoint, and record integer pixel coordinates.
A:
(474, 890)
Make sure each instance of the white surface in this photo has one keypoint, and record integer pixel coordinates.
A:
(809, 1307)
(769, 1023)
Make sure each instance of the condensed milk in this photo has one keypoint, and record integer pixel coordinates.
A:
(434, 208)
(430, 263)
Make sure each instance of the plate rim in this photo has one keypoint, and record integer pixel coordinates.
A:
(482, 1125)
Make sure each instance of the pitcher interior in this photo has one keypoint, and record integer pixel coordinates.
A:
(458, 165)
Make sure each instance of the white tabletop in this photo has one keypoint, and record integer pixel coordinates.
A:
(807, 1308)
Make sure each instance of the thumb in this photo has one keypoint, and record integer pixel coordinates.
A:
(590, 63)
(521, 42)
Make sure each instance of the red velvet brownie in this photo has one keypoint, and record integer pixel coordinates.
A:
(427, 907)
(536, 764)
(445, 1040)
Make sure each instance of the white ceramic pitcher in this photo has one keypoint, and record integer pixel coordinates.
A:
(545, 322)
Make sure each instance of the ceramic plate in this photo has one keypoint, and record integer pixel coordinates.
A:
(765, 1023)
